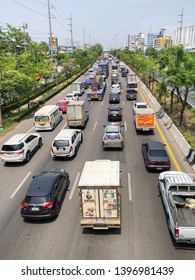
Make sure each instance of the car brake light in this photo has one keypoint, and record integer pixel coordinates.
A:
(120, 113)
(23, 205)
(108, 113)
(150, 162)
(52, 150)
(70, 150)
(1, 152)
(21, 152)
(48, 204)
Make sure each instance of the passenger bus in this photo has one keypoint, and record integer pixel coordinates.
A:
(47, 117)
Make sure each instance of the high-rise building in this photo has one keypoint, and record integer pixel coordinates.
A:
(151, 37)
(136, 42)
(185, 36)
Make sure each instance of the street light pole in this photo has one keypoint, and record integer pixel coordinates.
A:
(50, 32)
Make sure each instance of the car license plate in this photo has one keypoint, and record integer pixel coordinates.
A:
(35, 208)
(145, 129)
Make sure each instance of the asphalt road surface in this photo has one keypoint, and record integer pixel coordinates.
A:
(144, 233)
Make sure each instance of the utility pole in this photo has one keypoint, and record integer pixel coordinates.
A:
(50, 32)
(115, 41)
(84, 33)
(181, 25)
(71, 33)
(24, 27)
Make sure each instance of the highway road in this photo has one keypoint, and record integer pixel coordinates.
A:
(144, 234)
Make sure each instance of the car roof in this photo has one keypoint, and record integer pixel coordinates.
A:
(69, 94)
(65, 133)
(114, 108)
(15, 139)
(155, 145)
(112, 128)
(41, 184)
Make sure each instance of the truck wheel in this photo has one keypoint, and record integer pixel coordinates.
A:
(28, 156)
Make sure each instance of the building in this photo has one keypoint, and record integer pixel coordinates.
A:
(163, 42)
(151, 37)
(185, 36)
(136, 42)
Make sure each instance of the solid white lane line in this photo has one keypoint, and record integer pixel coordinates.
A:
(94, 128)
(20, 185)
(74, 186)
(129, 187)
(125, 126)
(123, 103)
(65, 125)
(30, 130)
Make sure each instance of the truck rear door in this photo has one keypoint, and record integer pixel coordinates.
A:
(100, 203)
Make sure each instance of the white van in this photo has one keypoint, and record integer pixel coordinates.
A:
(47, 117)
(66, 143)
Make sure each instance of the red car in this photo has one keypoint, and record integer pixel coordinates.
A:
(62, 105)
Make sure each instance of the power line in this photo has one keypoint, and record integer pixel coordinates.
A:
(29, 8)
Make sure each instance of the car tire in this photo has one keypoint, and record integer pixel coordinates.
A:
(28, 156)
(57, 210)
(40, 143)
(81, 138)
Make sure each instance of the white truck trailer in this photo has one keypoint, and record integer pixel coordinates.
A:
(177, 190)
(99, 195)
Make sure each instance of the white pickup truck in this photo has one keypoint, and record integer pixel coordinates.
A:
(139, 105)
(177, 190)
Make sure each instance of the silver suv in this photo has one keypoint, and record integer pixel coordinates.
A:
(20, 147)
(113, 136)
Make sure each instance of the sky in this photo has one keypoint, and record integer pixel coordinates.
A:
(107, 22)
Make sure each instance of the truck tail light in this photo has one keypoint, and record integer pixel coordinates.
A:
(176, 232)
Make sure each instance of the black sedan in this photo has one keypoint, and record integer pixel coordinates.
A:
(115, 113)
(45, 195)
(114, 98)
(155, 156)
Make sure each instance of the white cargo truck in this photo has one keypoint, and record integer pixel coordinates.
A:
(77, 115)
(77, 88)
(99, 195)
(177, 190)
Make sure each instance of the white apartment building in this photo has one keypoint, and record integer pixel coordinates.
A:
(185, 36)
